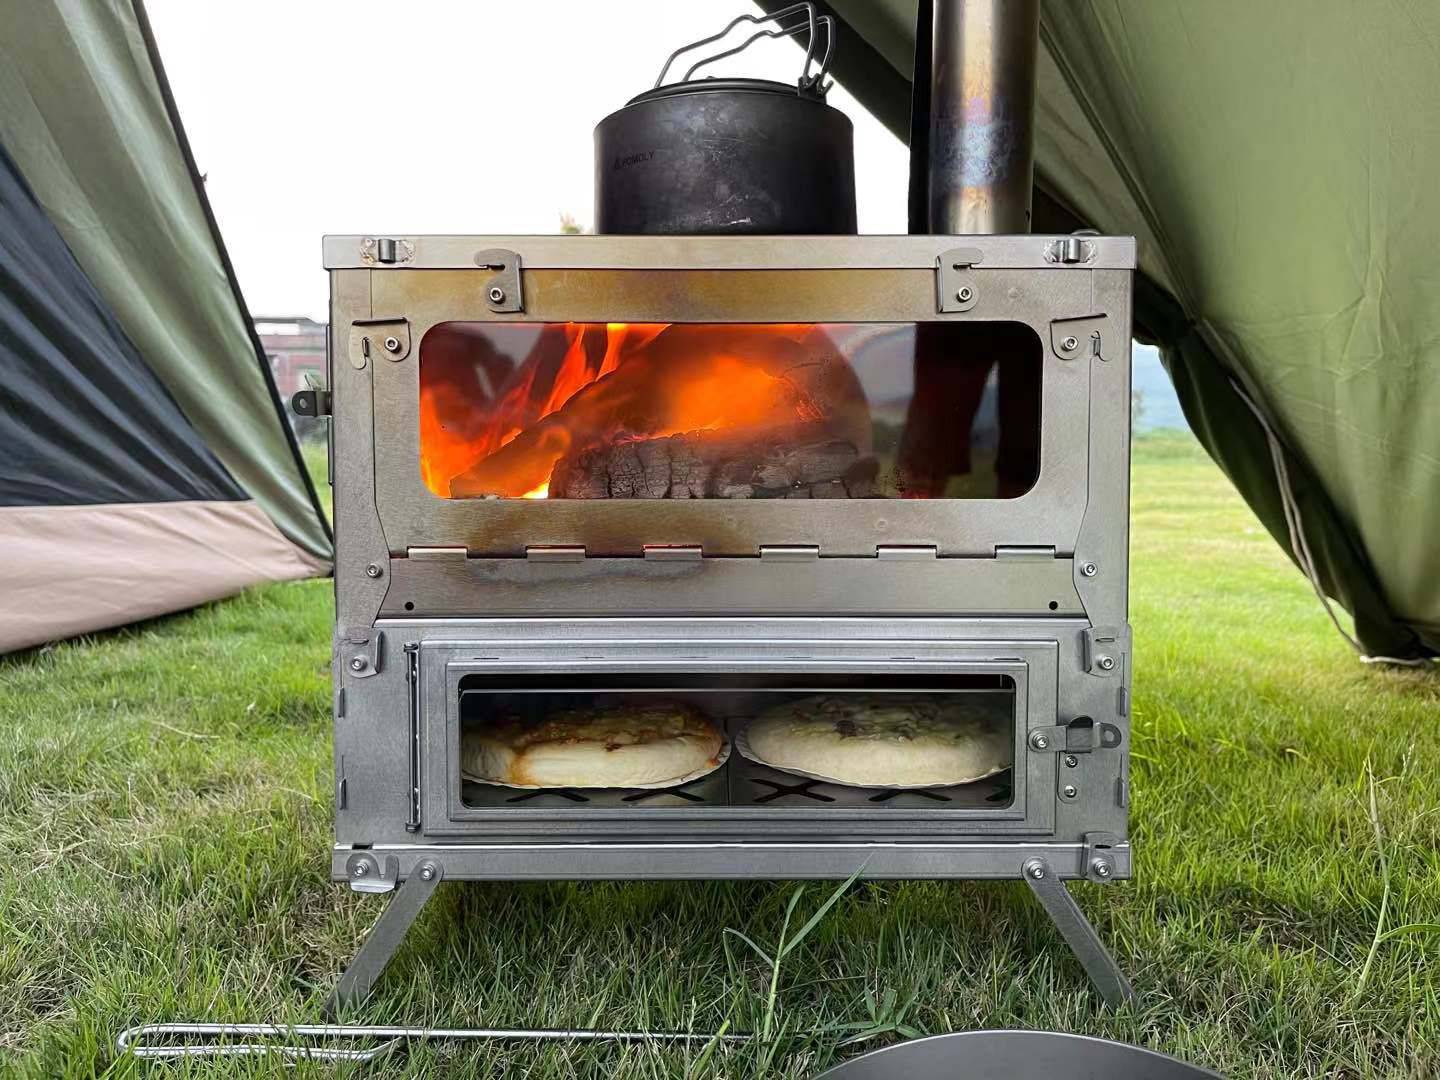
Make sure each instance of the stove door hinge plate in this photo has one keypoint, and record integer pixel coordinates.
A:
(373, 338)
(362, 652)
(1102, 650)
(1079, 736)
(504, 293)
(955, 282)
(1023, 552)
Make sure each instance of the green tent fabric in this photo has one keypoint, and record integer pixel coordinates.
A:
(86, 116)
(1279, 165)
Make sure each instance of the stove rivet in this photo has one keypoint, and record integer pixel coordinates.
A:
(1105, 663)
(1069, 344)
(1070, 791)
(496, 294)
(964, 294)
(1100, 868)
(358, 664)
(427, 872)
(393, 344)
(1071, 761)
(373, 570)
(1035, 869)
(1089, 569)
(1040, 741)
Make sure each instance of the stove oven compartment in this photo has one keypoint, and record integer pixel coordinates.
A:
(457, 686)
(732, 701)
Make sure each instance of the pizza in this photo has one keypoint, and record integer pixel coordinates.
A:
(641, 745)
(880, 741)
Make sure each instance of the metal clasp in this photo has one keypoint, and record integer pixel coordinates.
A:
(362, 652)
(955, 287)
(1103, 646)
(1074, 337)
(1080, 736)
(370, 338)
(505, 291)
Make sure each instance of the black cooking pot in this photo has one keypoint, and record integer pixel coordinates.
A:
(706, 156)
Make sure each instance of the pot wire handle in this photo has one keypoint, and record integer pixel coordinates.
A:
(806, 81)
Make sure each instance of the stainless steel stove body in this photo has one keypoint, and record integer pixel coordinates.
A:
(447, 607)
(442, 599)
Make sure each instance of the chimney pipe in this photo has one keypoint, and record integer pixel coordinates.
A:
(978, 153)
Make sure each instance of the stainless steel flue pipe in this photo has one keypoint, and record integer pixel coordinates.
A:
(982, 115)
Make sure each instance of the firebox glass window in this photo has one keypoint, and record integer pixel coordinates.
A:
(943, 410)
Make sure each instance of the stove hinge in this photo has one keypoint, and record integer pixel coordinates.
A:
(436, 554)
(1024, 552)
(412, 682)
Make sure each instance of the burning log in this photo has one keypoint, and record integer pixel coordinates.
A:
(684, 379)
(804, 462)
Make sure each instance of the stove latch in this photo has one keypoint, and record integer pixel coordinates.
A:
(371, 339)
(1102, 650)
(362, 652)
(504, 292)
(1080, 736)
(1073, 338)
(955, 287)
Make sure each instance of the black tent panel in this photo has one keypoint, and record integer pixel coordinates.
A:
(83, 420)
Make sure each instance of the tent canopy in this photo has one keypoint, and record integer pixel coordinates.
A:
(1278, 166)
(147, 465)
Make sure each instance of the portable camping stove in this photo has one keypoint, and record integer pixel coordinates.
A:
(730, 470)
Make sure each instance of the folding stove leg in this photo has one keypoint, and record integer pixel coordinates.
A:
(1050, 890)
(405, 905)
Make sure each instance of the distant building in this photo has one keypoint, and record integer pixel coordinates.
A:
(295, 347)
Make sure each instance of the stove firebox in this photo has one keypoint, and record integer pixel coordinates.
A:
(732, 471)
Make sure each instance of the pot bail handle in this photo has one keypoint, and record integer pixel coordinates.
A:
(807, 82)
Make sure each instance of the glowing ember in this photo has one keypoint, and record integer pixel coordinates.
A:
(490, 425)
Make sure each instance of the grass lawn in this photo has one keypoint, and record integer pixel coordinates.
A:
(166, 820)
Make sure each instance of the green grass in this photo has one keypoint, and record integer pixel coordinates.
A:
(166, 820)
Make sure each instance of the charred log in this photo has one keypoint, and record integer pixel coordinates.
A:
(805, 463)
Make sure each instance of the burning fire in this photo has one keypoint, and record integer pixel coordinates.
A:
(497, 426)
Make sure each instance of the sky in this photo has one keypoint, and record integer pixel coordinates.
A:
(434, 116)
(310, 117)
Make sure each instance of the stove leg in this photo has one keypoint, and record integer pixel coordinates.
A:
(1050, 890)
(385, 937)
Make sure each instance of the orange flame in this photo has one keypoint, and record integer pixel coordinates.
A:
(491, 427)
